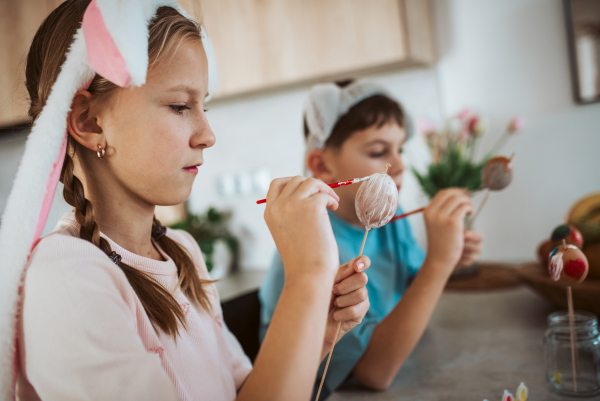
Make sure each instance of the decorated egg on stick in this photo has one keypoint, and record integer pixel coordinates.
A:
(376, 201)
(568, 265)
(497, 173)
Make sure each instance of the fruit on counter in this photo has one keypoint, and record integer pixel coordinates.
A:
(567, 232)
(543, 251)
(592, 252)
(585, 216)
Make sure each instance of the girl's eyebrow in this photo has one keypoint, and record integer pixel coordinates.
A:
(184, 88)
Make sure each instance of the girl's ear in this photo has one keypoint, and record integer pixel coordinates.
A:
(320, 166)
(82, 124)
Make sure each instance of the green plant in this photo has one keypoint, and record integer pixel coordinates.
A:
(206, 229)
(453, 152)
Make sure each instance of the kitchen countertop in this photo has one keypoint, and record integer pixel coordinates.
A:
(476, 345)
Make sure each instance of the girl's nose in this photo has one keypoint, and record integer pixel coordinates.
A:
(204, 136)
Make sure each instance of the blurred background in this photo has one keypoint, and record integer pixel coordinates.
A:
(537, 59)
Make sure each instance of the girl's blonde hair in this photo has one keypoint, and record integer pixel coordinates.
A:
(47, 54)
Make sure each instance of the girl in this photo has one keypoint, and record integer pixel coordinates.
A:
(353, 130)
(115, 306)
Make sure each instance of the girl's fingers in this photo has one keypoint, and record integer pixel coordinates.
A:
(326, 200)
(352, 283)
(354, 312)
(353, 298)
(293, 185)
(276, 187)
(359, 264)
(312, 186)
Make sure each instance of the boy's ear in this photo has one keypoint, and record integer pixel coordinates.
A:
(82, 125)
(318, 163)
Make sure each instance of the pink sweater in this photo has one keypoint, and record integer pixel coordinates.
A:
(84, 333)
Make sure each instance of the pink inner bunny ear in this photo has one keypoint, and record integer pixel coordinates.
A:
(103, 55)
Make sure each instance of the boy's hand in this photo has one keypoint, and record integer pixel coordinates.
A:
(349, 301)
(444, 220)
(471, 250)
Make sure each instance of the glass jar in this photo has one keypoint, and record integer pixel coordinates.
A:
(559, 366)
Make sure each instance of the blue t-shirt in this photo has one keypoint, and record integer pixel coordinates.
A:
(395, 258)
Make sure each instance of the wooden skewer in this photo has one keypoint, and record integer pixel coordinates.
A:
(572, 333)
(472, 219)
(362, 247)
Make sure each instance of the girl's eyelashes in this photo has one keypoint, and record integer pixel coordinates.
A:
(178, 108)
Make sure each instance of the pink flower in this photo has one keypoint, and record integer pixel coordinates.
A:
(476, 126)
(424, 125)
(516, 124)
(464, 114)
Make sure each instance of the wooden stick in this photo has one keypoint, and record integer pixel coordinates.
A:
(362, 247)
(403, 215)
(573, 334)
(472, 219)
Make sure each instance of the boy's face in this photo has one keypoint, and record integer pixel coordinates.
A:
(364, 153)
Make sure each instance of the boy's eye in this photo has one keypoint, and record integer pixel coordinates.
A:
(179, 109)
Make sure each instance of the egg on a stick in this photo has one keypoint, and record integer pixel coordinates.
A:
(568, 265)
(376, 201)
(497, 174)
(375, 204)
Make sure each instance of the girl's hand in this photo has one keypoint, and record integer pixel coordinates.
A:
(349, 301)
(296, 215)
(471, 250)
(444, 220)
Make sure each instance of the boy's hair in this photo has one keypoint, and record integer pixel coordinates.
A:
(376, 110)
(46, 56)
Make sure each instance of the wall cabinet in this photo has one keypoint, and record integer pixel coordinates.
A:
(260, 45)
(19, 21)
(271, 44)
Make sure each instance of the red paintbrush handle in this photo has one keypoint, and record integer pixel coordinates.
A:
(403, 215)
(334, 185)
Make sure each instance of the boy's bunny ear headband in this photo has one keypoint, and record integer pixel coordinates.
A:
(327, 103)
(113, 42)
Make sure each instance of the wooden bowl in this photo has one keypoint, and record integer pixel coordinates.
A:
(585, 295)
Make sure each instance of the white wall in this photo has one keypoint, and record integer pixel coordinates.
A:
(510, 57)
(502, 58)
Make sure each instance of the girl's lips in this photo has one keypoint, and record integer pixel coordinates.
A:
(192, 169)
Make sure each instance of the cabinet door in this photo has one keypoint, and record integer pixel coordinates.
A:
(266, 44)
(19, 21)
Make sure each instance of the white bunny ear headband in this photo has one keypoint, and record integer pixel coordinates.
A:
(327, 103)
(113, 42)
